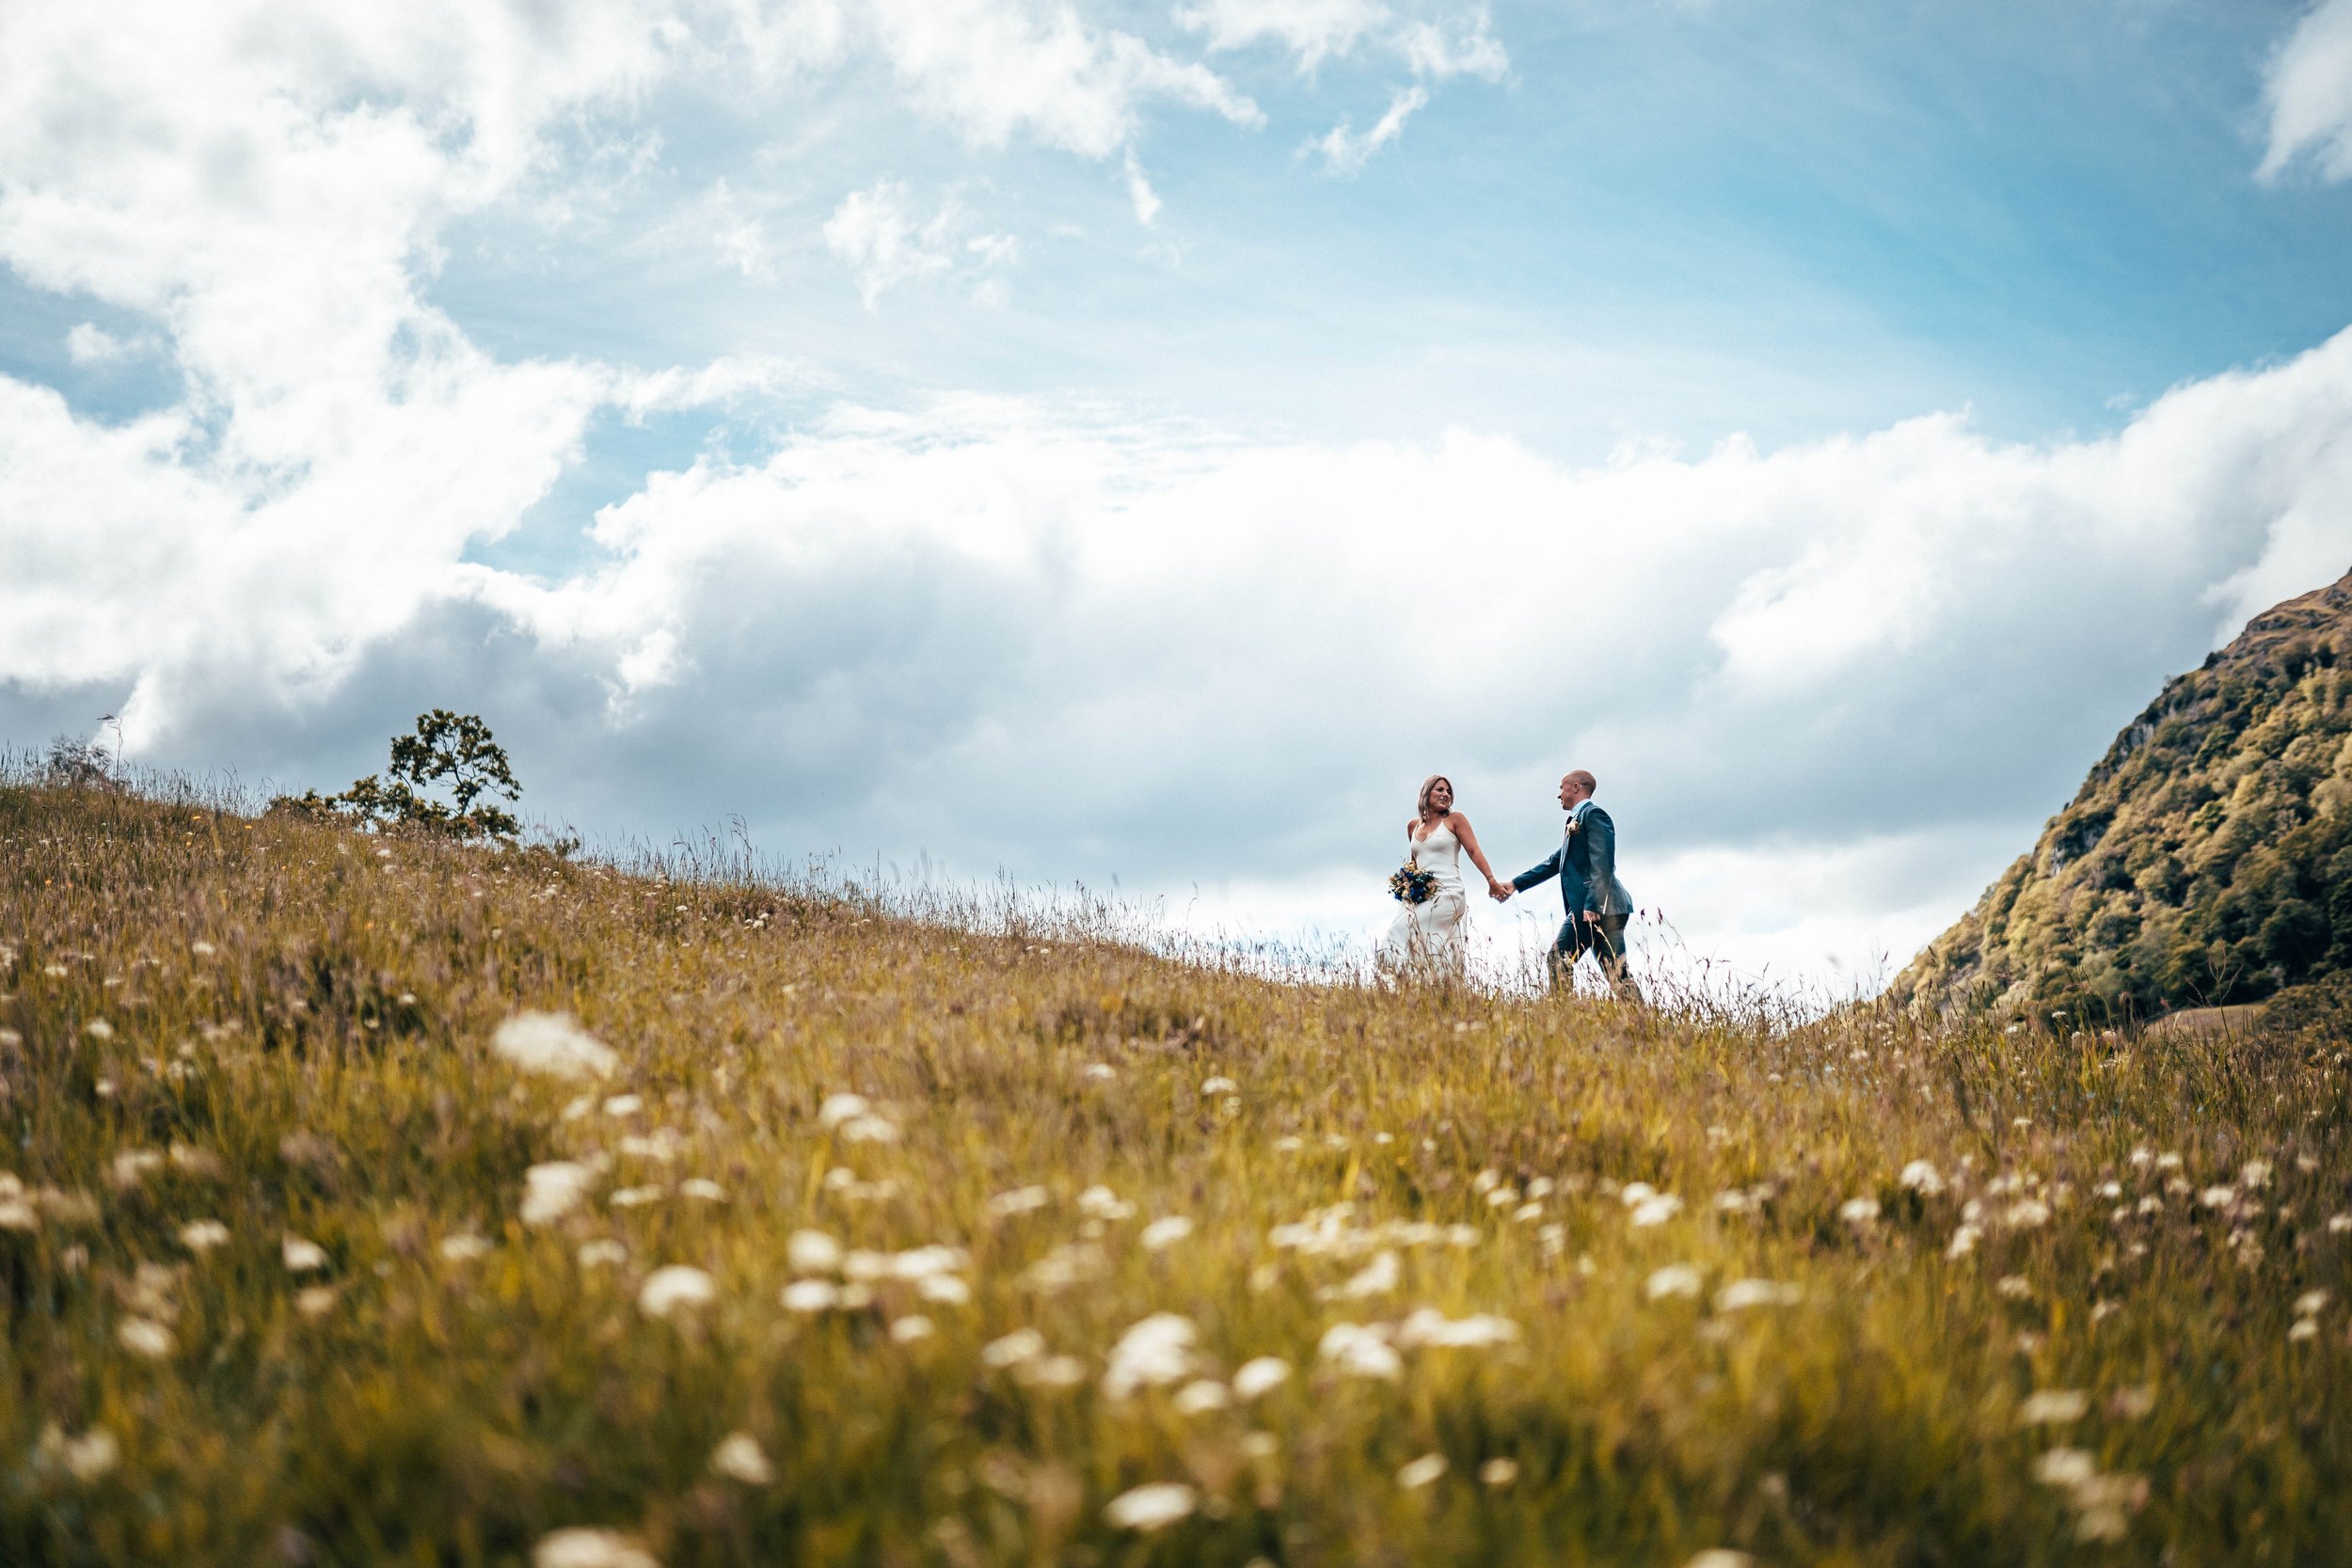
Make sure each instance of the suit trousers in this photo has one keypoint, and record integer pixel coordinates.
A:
(1605, 941)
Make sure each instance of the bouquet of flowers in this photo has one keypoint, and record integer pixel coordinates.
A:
(1410, 884)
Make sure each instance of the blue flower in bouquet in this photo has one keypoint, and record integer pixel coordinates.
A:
(1410, 884)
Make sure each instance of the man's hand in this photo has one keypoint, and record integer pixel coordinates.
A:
(1500, 892)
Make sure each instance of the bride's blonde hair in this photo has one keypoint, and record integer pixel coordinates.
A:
(1426, 786)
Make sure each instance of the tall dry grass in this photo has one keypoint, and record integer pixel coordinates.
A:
(1553, 1283)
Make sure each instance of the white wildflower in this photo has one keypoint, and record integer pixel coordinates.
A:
(869, 1129)
(1152, 1507)
(1020, 1201)
(1922, 1177)
(673, 1285)
(704, 1188)
(99, 1029)
(553, 1044)
(203, 1235)
(1164, 1232)
(1740, 1294)
(1022, 1344)
(1859, 1211)
(2217, 1197)
(1963, 1242)
(1101, 1203)
(810, 1296)
(1422, 1471)
(2068, 1467)
(1361, 1349)
(301, 1257)
(202, 949)
(840, 1108)
(1052, 1371)
(552, 1190)
(624, 1104)
(2305, 1328)
(463, 1247)
(926, 1262)
(18, 1214)
(1201, 1396)
(87, 1458)
(131, 1166)
(1675, 1279)
(315, 1302)
(1261, 1375)
(1655, 1211)
(1722, 1557)
(1426, 1325)
(631, 1197)
(2339, 1223)
(1158, 1350)
(1100, 1073)
(812, 1252)
(144, 1336)
(662, 1144)
(1213, 1086)
(2310, 1303)
(1069, 1264)
(590, 1548)
(1498, 1472)
(740, 1457)
(2053, 1407)
(2254, 1173)
(912, 1327)
(597, 1255)
(2026, 1214)
(1377, 1279)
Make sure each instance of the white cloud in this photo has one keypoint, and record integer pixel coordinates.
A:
(876, 233)
(88, 343)
(1346, 152)
(2308, 91)
(1449, 40)
(1140, 195)
(997, 68)
(1463, 45)
(1313, 30)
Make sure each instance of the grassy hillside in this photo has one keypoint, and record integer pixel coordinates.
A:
(2206, 861)
(309, 1255)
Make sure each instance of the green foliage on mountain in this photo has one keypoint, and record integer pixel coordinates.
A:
(2207, 859)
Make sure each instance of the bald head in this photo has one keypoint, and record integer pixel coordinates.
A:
(1576, 786)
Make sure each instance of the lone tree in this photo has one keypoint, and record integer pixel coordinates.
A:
(448, 749)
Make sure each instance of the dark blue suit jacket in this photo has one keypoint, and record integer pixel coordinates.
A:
(1586, 864)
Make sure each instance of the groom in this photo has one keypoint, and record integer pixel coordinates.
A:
(1597, 904)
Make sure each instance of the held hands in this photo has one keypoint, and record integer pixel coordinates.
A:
(1500, 892)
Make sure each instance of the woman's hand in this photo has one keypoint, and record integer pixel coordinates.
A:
(1498, 891)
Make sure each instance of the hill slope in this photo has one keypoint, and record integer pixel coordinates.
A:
(2207, 859)
(311, 1252)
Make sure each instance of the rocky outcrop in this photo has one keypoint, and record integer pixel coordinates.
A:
(2207, 859)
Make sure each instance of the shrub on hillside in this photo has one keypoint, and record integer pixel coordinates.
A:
(448, 749)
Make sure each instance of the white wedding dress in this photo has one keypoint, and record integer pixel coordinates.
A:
(1427, 940)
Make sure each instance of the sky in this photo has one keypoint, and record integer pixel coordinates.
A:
(1128, 446)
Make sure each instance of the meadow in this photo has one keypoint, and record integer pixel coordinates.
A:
(383, 1200)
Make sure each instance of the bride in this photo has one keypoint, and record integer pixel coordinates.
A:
(1427, 940)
